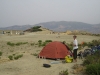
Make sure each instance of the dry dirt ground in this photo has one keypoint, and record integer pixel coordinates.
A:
(30, 64)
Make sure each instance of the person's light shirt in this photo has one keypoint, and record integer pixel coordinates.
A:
(75, 44)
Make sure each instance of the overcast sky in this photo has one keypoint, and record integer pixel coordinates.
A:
(23, 12)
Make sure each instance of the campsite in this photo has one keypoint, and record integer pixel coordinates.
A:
(19, 54)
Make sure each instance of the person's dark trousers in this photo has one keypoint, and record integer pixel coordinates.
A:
(75, 53)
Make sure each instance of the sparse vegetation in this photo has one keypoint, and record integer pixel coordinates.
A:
(16, 44)
(64, 72)
(14, 56)
(93, 69)
(33, 46)
(92, 64)
(92, 59)
(10, 44)
(0, 53)
(18, 56)
(40, 43)
(10, 57)
(34, 54)
(21, 43)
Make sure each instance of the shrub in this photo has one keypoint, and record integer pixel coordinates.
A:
(35, 29)
(0, 53)
(15, 56)
(18, 56)
(10, 44)
(19, 43)
(35, 54)
(40, 41)
(65, 72)
(93, 69)
(44, 44)
(25, 42)
(21, 55)
(48, 40)
(10, 57)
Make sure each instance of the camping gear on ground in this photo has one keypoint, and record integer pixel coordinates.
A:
(55, 62)
(80, 55)
(68, 59)
(46, 65)
(55, 50)
(88, 52)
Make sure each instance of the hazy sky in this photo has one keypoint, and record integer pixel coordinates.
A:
(22, 12)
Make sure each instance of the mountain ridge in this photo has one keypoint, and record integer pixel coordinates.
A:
(60, 26)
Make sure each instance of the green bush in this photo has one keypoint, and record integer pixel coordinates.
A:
(92, 64)
(40, 41)
(48, 40)
(18, 56)
(65, 72)
(14, 56)
(35, 29)
(0, 53)
(10, 44)
(93, 69)
(10, 57)
(21, 55)
(21, 43)
(44, 44)
(84, 44)
(17, 44)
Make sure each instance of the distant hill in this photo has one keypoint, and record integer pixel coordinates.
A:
(17, 27)
(60, 26)
(69, 25)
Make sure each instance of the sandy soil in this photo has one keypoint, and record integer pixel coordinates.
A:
(30, 64)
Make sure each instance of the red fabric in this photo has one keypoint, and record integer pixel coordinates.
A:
(54, 50)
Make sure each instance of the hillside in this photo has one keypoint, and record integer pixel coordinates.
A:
(65, 25)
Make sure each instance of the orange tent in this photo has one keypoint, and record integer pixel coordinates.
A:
(55, 50)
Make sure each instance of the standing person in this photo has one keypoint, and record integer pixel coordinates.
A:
(75, 48)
